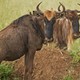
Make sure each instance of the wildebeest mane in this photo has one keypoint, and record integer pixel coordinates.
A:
(17, 22)
(20, 20)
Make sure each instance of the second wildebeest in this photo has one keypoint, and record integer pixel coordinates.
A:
(73, 16)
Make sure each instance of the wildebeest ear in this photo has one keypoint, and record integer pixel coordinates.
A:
(34, 12)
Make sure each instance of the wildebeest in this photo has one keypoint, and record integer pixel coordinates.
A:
(73, 16)
(63, 32)
(66, 27)
(24, 36)
(49, 19)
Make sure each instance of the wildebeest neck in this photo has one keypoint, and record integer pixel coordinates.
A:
(37, 28)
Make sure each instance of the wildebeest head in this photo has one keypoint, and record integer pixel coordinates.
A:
(49, 19)
(73, 16)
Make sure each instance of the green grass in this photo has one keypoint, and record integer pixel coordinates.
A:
(68, 77)
(5, 71)
(12, 9)
(75, 51)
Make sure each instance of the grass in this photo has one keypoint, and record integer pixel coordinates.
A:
(12, 9)
(5, 71)
(68, 77)
(75, 51)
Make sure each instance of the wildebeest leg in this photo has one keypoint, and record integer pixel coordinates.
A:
(69, 42)
(29, 57)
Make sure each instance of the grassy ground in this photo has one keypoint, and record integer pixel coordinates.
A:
(12, 9)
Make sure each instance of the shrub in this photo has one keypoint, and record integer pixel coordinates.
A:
(5, 71)
(75, 52)
(68, 77)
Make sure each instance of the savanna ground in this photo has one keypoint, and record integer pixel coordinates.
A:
(50, 63)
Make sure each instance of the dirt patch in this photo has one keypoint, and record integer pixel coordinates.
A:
(50, 64)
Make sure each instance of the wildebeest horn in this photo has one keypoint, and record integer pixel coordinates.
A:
(62, 7)
(59, 7)
(38, 7)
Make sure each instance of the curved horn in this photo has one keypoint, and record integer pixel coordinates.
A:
(62, 7)
(38, 7)
(59, 7)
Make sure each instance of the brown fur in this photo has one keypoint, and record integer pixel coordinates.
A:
(49, 14)
(19, 38)
(72, 15)
(63, 32)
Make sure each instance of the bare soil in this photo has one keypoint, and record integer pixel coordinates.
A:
(50, 64)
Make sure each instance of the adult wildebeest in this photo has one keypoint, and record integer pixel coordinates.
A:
(23, 36)
(66, 27)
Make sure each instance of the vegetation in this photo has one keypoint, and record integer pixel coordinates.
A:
(68, 77)
(75, 51)
(12, 9)
(5, 71)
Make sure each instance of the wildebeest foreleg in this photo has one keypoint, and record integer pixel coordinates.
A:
(29, 57)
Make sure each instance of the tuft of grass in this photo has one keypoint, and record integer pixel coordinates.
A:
(16, 78)
(5, 71)
(75, 51)
(68, 77)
